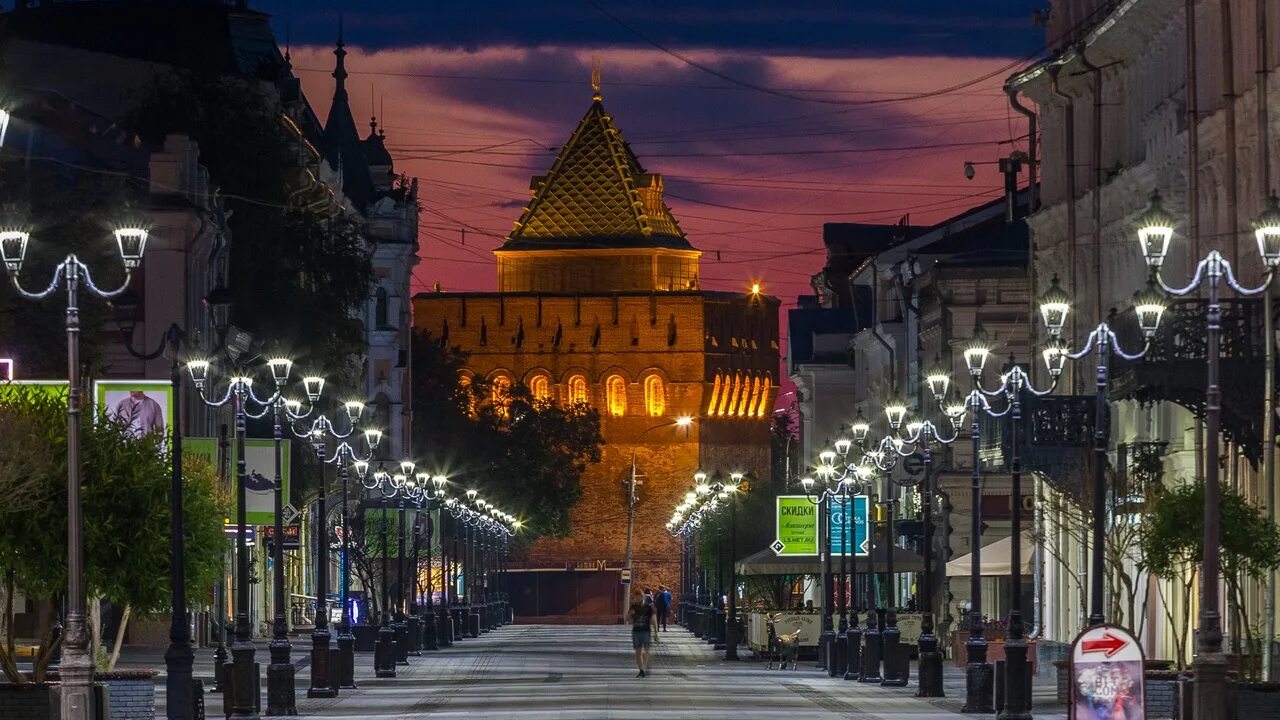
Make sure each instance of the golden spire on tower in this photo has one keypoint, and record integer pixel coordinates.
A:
(595, 78)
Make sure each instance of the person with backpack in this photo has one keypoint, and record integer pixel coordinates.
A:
(641, 617)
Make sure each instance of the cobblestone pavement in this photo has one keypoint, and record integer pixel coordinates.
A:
(544, 672)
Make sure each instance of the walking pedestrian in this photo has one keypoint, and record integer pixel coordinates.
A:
(641, 616)
(662, 604)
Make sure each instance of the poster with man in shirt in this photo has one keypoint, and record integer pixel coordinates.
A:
(141, 407)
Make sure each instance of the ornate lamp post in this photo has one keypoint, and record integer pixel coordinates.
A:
(1155, 231)
(1013, 382)
(131, 241)
(281, 698)
(828, 654)
(239, 394)
(347, 455)
(430, 638)
(920, 437)
(848, 642)
(179, 657)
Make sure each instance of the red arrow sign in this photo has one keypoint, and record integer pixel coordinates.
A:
(1108, 643)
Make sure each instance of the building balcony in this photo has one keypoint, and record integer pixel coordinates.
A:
(1175, 367)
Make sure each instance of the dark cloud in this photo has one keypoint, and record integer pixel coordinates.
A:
(831, 28)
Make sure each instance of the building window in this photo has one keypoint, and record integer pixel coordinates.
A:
(577, 390)
(467, 393)
(655, 396)
(500, 394)
(380, 311)
(382, 421)
(540, 387)
(615, 392)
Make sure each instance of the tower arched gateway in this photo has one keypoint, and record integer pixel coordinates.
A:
(604, 287)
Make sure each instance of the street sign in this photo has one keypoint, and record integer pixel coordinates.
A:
(913, 464)
(626, 576)
(857, 525)
(796, 526)
(291, 536)
(289, 514)
(1106, 675)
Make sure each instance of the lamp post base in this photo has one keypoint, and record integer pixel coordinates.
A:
(281, 698)
(979, 678)
(871, 655)
(839, 655)
(731, 641)
(1017, 683)
(384, 653)
(430, 622)
(244, 681)
(414, 623)
(474, 623)
(896, 664)
(1213, 690)
(321, 687)
(825, 641)
(178, 660)
(853, 652)
(401, 629)
(930, 668)
(444, 628)
(345, 671)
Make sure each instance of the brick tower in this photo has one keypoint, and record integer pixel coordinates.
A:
(598, 301)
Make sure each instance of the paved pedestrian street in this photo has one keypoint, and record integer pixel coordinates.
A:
(551, 672)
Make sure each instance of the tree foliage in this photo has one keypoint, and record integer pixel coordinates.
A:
(1173, 545)
(299, 271)
(125, 506)
(527, 455)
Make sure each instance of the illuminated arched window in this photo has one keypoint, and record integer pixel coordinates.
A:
(465, 390)
(715, 396)
(655, 396)
(736, 397)
(500, 390)
(615, 393)
(749, 406)
(577, 390)
(540, 387)
(500, 394)
(763, 408)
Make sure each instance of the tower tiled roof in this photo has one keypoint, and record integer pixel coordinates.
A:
(596, 195)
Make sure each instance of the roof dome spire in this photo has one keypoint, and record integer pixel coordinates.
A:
(340, 68)
(595, 78)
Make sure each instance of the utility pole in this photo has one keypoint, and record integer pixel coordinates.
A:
(631, 526)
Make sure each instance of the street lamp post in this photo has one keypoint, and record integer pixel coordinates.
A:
(708, 496)
(1155, 230)
(347, 456)
(131, 241)
(1014, 382)
(731, 620)
(281, 695)
(178, 658)
(239, 394)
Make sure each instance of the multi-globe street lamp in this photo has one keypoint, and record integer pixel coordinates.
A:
(1155, 231)
(348, 455)
(131, 241)
(710, 494)
(239, 394)
(1013, 383)
(484, 519)
(428, 638)
(919, 439)
(844, 653)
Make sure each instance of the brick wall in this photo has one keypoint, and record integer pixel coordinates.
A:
(688, 339)
(1260, 702)
(28, 702)
(1161, 694)
(132, 698)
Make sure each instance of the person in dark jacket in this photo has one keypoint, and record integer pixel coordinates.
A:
(662, 604)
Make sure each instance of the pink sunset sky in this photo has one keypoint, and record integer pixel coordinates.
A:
(750, 175)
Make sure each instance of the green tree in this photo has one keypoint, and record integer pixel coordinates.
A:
(125, 506)
(1173, 545)
(526, 455)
